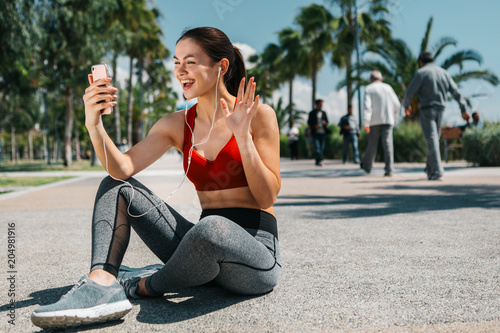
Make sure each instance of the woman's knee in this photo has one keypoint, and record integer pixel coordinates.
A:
(108, 183)
(210, 231)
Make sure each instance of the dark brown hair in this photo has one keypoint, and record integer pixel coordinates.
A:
(217, 46)
(425, 57)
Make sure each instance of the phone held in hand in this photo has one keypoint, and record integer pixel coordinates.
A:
(100, 71)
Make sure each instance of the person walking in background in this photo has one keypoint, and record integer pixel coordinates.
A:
(380, 111)
(293, 141)
(318, 122)
(431, 83)
(476, 121)
(349, 129)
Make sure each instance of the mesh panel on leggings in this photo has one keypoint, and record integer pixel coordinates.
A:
(119, 242)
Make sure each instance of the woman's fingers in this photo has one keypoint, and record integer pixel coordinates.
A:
(99, 90)
(225, 108)
(241, 90)
(248, 93)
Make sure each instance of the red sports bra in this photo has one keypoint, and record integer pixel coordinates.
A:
(225, 172)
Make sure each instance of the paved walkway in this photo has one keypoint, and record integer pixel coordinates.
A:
(361, 253)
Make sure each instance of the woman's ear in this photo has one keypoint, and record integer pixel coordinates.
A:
(224, 65)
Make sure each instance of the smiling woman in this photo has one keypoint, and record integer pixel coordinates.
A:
(230, 144)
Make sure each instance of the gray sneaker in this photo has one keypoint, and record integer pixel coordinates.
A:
(86, 303)
(129, 277)
(129, 272)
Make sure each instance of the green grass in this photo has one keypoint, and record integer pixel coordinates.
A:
(28, 181)
(43, 166)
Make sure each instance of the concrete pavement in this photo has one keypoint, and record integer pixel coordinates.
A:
(361, 253)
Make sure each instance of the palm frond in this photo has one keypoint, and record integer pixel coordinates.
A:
(425, 40)
(441, 44)
(484, 75)
(458, 58)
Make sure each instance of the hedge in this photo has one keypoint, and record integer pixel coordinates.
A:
(409, 144)
(482, 145)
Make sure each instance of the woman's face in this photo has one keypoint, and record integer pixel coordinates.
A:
(194, 69)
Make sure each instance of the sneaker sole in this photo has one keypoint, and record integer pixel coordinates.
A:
(77, 317)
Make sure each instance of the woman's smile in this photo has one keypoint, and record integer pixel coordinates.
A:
(187, 83)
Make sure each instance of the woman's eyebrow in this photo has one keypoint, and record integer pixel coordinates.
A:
(187, 56)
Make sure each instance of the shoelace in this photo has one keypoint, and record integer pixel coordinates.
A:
(75, 287)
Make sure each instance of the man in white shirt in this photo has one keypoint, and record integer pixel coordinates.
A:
(380, 112)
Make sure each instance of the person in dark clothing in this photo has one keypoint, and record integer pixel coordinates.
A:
(318, 122)
(349, 129)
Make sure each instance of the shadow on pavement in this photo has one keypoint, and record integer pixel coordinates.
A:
(445, 197)
(186, 304)
(356, 172)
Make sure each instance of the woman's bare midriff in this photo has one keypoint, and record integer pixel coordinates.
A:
(240, 197)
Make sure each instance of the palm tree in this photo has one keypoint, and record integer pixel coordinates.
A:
(293, 62)
(399, 64)
(265, 70)
(145, 45)
(457, 59)
(159, 95)
(316, 24)
(282, 114)
(72, 41)
(372, 27)
(118, 38)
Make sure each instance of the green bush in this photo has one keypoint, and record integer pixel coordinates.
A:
(334, 143)
(482, 145)
(409, 143)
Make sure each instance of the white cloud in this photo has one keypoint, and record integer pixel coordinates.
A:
(246, 51)
(335, 102)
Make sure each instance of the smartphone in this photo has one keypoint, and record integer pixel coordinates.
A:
(100, 71)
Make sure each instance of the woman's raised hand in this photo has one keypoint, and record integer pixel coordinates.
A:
(239, 120)
(94, 94)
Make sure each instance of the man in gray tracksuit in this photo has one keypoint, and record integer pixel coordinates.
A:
(431, 84)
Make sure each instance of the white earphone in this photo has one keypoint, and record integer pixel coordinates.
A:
(189, 154)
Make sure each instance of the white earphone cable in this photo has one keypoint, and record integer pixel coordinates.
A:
(190, 153)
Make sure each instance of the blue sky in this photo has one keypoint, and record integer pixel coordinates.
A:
(252, 24)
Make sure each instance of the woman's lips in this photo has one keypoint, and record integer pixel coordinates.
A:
(187, 83)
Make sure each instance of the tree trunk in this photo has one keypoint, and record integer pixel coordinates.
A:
(68, 127)
(118, 129)
(290, 105)
(130, 105)
(30, 145)
(77, 144)
(313, 78)
(348, 79)
(2, 153)
(57, 140)
(13, 157)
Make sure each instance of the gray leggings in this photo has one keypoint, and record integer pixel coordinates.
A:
(241, 260)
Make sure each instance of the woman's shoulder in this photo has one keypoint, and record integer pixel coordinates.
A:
(172, 119)
(264, 119)
(171, 125)
(265, 113)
